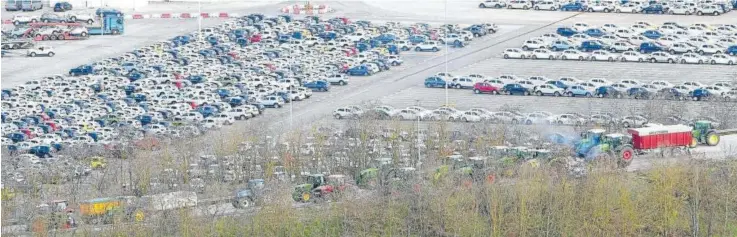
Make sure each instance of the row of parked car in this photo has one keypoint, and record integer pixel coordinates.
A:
(641, 42)
(595, 87)
(69, 17)
(445, 113)
(235, 72)
(677, 7)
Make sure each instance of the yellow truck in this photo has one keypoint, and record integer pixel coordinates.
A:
(129, 208)
(100, 210)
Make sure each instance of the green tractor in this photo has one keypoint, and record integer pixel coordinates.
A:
(304, 192)
(704, 133)
(596, 145)
(452, 163)
(369, 178)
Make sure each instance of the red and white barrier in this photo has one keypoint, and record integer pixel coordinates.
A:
(184, 15)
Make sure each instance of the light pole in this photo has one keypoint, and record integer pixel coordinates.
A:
(199, 18)
(419, 155)
(445, 20)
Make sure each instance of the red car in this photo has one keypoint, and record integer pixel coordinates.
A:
(485, 87)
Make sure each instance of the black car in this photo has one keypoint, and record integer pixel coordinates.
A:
(53, 18)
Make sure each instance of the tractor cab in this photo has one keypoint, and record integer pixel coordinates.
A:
(246, 197)
(405, 173)
(589, 139)
(316, 180)
(478, 162)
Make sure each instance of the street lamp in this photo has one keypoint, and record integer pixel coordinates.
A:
(445, 19)
(419, 155)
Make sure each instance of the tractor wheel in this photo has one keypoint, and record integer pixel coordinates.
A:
(244, 203)
(306, 197)
(694, 142)
(712, 138)
(626, 155)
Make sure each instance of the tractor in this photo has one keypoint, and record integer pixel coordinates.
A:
(704, 133)
(596, 145)
(318, 186)
(369, 178)
(245, 198)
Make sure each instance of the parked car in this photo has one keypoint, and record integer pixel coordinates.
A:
(41, 50)
(485, 87)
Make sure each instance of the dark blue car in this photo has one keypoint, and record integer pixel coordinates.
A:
(576, 6)
(566, 31)
(652, 34)
(62, 6)
(318, 85)
(608, 91)
(653, 9)
(595, 32)
(515, 89)
(640, 93)
(435, 82)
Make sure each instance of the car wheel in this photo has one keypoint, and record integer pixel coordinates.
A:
(701, 62)
(640, 60)
(626, 124)
(581, 58)
(84, 34)
(683, 61)
(671, 12)
(699, 13)
(51, 54)
(506, 56)
(458, 86)
(525, 7)
(476, 91)
(539, 93)
(435, 49)
(556, 93)
(482, 5)
(522, 57)
(534, 57)
(33, 54)
(611, 59)
(551, 57)
(90, 21)
(73, 19)
(342, 83)
(716, 13)
(537, 8)
(652, 60)
(713, 62)
(730, 63)
(417, 49)
(564, 58)
(525, 48)
(623, 59)
(618, 11)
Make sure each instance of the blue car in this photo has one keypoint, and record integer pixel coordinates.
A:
(557, 83)
(609, 92)
(318, 85)
(701, 94)
(732, 50)
(576, 6)
(649, 47)
(62, 6)
(566, 31)
(577, 90)
(595, 32)
(653, 9)
(640, 93)
(515, 89)
(591, 45)
(435, 82)
(652, 34)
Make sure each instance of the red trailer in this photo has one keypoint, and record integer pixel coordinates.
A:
(661, 136)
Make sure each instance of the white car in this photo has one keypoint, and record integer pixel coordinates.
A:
(680, 10)
(630, 82)
(709, 49)
(661, 57)
(622, 46)
(22, 19)
(538, 80)
(544, 54)
(339, 79)
(717, 90)
(471, 116)
(693, 58)
(695, 30)
(573, 55)
(519, 4)
(577, 39)
(609, 28)
(444, 75)
(81, 17)
(625, 33)
(569, 81)
(535, 118)
(428, 46)
(462, 82)
(600, 81)
(633, 121)
(566, 119)
(534, 44)
(492, 4)
(602, 55)
(722, 59)
(638, 39)
(496, 82)
(224, 119)
(601, 7)
(408, 114)
(628, 8)
(609, 39)
(530, 85)
(515, 53)
(547, 5)
(344, 112)
(40, 50)
(662, 84)
(681, 48)
(547, 89)
(241, 113)
(632, 56)
(581, 27)
(709, 10)
(693, 85)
